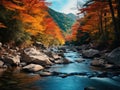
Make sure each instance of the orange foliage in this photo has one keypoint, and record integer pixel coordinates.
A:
(34, 17)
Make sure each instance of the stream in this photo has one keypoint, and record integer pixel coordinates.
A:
(16, 80)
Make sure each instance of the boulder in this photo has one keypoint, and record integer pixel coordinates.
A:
(114, 56)
(62, 61)
(1, 64)
(98, 62)
(56, 56)
(11, 59)
(33, 68)
(45, 73)
(90, 53)
(80, 60)
(32, 55)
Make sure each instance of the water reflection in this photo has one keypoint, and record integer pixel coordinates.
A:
(14, 80)
(74, 83)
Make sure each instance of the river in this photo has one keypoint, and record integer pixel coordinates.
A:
(17, 80)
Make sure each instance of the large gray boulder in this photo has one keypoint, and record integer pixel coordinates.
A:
(90, 53)
(114, 56)
(11, 59)
(32, 55)
(33, 68)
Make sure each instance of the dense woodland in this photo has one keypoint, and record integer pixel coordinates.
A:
(100, 24)
(23, 22)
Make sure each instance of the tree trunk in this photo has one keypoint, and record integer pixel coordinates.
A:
(117, 37)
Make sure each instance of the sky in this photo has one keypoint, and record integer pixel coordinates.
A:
(64, 6)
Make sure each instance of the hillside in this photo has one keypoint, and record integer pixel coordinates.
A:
(64, 21)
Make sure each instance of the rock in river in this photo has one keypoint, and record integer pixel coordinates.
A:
(1, 64)
(33, 68)
(114, 56)
(90, 53)
(32, 55)
(11, 59)
(98, 62)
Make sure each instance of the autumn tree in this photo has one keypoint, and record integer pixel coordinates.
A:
(29, 18)
(100, 21)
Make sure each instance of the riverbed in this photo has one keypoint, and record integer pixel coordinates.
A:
(17, 80)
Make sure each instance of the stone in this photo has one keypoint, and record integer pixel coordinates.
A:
(80, 61)
(22, 64)
(66, 61)
(98, 62)
(90, 53)
(32, 55)
(33, 68)
(114, 56)
(45, 73)
(109, 66)
(1, 63)
(0, 44)
(11, 59)
(56, 56)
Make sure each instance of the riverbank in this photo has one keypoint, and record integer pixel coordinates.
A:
(39, 58)
(72, 76)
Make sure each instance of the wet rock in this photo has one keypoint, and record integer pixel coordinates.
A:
(56, 56)
(45, 73)
(80, 61)
(97, 62)
(55, 73)
(33, 68)
(90, 53)
(62, 61)
(58, 61)
(114, 56)
(11, 59)
(109, 66)
(103, 74)
(32, 55)
(1, 64)
(22, 64)
(66, 61)
(89, 88)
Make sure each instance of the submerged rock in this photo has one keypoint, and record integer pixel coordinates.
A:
(90, 88)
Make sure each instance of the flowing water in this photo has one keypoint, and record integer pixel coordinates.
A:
(15, 80)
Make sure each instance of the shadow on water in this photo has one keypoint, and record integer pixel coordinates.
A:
(12, 79)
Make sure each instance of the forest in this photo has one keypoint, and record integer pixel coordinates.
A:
(44, 49)
(22, 22)
(98, 25)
